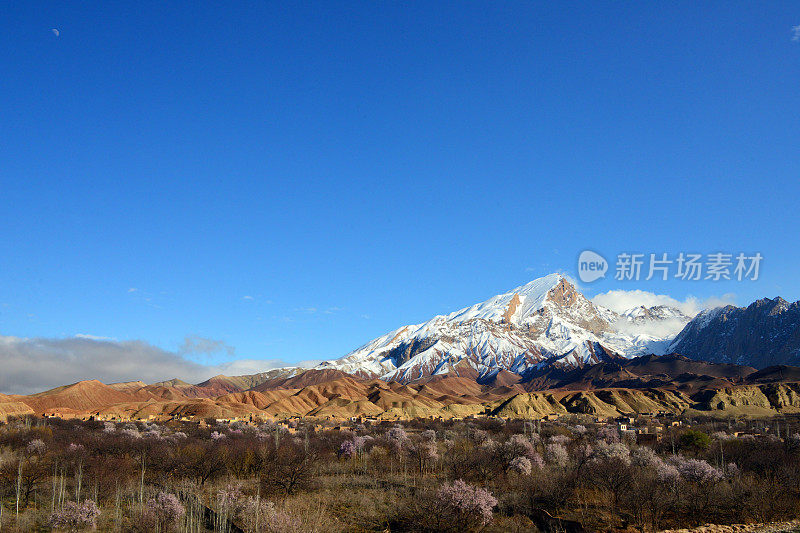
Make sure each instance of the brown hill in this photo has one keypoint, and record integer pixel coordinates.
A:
(211, 388)
(182, 388)
(165, 393)
(128, 386)
(247, 382)
(219, 385)
(222, 384)
(256, 399)
(775, 374)
(502, 378)
(304, 379)
(13, 408)
(339, 408)
(80, 396)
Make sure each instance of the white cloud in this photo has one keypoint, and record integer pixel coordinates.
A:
(36, 364)
(133, 289)
(331, 310)
(796, 33)
(309, 363)
(94, 337)
(241, 367)
(195, 344)
(662, 329)
(620, 301)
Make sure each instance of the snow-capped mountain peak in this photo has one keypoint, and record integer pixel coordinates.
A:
(546, 321)
(513, 305)
(518, 306)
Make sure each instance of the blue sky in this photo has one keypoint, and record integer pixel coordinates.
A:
(293, 180)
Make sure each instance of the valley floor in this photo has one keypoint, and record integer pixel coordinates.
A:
(488, 475)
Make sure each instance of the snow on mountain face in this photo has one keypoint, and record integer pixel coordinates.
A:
(546, 321)
(642, 314)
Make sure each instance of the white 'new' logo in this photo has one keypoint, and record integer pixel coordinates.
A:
(591, 266)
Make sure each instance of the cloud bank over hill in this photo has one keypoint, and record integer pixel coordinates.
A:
(620, 301)
(35, 364)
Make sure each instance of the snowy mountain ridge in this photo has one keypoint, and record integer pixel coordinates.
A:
(547, 321)
(765, 333)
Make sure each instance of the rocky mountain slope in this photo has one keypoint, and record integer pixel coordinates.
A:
(546, 322)
(765, 333)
